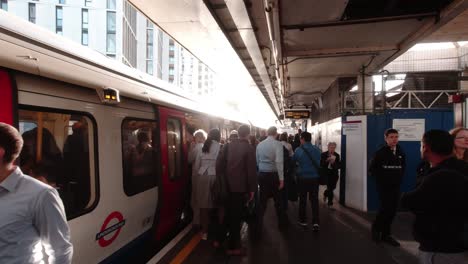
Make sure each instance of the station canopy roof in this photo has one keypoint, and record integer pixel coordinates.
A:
(294, 50)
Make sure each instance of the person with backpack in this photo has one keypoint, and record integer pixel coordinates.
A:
(439, 202)
(307, 157)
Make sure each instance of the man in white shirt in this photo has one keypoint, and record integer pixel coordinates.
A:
(32, 213)
(271, 175)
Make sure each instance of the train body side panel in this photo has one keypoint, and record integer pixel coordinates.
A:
(138, 210)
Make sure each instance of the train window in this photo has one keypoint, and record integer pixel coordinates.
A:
(140, 155)
(59, 150)
(174, 147)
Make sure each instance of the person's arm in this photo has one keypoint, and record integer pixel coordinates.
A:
(420, 199)
(279, 160)
(51, 223)
(220, 164)
(251, 171)
(196, 164)
(338, 161)
(323, 160)
(375, 165)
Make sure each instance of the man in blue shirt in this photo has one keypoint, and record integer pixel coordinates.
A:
(32, 215)
(271, 175)
(307, 157)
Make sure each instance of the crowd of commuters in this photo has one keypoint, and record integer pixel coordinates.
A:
(253, 171)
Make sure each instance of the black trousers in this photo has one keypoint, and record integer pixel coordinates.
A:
(234, 207)
(269, 184)
(310, 187)
(331, 185)
(389, 196)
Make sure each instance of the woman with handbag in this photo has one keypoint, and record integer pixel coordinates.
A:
(205, 168)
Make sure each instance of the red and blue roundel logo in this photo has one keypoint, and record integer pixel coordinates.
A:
(106, 229)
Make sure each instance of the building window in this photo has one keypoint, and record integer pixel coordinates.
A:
(62, 2)
(4, 4)
(110, 46)
(59, 20)
(87, 2)
(129, 35)
(171, 47)
(32, 13)
(149, 47)
(67, 158)
(171, 59)
(171, 71)
(84, 27)
(111, 4)
(140, 153)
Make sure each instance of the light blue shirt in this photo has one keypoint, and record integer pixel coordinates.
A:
(270, 156)
(32, 217)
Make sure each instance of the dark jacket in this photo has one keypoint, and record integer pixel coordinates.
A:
(440, 204)
(335, 166)
(240, 166)
(388, 168)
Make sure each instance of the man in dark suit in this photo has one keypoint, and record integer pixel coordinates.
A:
(388, 167)
(330, 160)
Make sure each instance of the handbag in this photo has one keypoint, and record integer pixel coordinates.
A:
(220, 189)
(323, 172)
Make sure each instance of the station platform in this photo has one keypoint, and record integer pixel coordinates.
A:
(344, 237)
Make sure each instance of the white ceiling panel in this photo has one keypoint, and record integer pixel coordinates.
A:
(295, 12)
(383, 34)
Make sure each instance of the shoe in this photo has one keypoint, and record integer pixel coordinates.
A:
(236, 252)
(391, 241)
(302, 223)
(204, 236)
(316, 227)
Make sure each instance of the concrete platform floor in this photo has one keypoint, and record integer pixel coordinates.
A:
(344, 238)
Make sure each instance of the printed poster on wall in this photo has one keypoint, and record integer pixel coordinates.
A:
(410, 129)
(352, 128)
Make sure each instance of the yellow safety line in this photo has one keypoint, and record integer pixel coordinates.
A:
(185, 252)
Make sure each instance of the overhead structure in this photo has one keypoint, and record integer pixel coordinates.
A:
(294, 50)
(314, 43)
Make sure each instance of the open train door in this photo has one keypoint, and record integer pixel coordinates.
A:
(8, 99)
(175, 175)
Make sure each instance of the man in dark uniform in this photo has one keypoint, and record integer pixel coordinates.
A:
(388, 167)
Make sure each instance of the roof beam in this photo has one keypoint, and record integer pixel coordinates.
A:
(453, 10)
(342, 51)
(358, 21)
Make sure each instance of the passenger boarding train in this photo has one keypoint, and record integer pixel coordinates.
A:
(120, 166)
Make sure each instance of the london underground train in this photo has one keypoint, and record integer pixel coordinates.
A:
(114, 143)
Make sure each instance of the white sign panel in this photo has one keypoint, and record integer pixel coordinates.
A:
(352, 128)
(410, 129)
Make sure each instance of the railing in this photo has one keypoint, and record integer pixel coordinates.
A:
(409, 99)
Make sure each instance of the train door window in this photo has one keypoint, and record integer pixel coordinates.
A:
(174, 147)
(59, 149)
(140, 153)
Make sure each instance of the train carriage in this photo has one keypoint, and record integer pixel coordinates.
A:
(119, 166)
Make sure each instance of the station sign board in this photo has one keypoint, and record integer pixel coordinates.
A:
(297, 114)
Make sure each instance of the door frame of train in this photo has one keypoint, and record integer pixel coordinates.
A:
(13, 95)
(168, 188)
